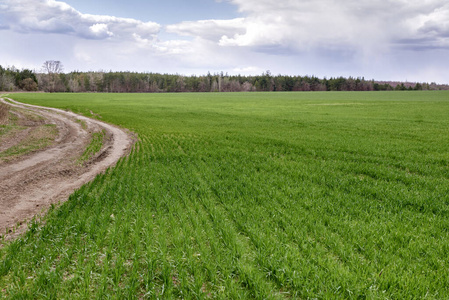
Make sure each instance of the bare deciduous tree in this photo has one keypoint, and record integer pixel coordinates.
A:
(52, 66)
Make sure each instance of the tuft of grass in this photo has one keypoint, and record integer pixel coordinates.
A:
(82, 123)
(94, 146)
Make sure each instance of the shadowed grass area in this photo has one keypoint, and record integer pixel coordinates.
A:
(251, 195)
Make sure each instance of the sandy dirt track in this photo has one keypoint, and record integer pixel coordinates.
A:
(30, 184)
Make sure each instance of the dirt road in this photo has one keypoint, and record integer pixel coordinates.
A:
(30, 184)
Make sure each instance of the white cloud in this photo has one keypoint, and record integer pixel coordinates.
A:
(100, 30)
(436, 23)
(175, 47)
(361, 26)
(208, 29)
(49, 16)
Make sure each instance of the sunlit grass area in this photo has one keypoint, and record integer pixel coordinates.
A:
(251, 195)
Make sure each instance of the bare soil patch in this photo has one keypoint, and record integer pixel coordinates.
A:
(30, 183)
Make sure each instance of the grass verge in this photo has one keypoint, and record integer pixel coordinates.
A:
(95, 145)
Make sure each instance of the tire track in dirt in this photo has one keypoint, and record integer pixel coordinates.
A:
(29, 185)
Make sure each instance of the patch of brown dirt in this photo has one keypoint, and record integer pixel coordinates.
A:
(30, 184)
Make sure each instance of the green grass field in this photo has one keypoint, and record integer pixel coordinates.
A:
(251, 195)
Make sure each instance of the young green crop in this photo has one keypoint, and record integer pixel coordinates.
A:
(251, 195)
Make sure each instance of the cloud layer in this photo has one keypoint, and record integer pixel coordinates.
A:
(372, 38)
(350, 24)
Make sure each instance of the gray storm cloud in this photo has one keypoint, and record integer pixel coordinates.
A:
(357, 24)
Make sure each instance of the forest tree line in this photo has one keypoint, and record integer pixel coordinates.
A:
(54, 80)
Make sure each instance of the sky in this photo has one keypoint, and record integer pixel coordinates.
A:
(398, 40)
